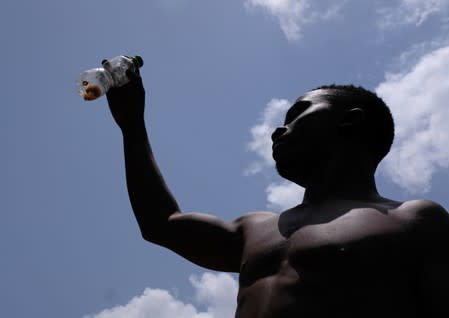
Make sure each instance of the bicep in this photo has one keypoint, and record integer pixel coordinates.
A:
(204, 240)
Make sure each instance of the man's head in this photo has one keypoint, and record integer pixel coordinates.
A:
(322, 120)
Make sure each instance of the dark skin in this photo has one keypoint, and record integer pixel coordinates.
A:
(345, 251)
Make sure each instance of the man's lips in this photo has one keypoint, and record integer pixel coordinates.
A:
(277, 144)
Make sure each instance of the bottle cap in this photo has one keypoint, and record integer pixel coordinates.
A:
(138, 61)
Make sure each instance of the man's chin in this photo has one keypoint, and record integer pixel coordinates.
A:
(291, 173)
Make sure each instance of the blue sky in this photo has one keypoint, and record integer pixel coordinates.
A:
(218, 76)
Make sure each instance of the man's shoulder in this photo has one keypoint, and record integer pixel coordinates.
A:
(421, 210)
(252, 219)
(256, 216)
(427, 219)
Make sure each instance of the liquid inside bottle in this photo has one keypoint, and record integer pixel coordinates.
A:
(94, 83)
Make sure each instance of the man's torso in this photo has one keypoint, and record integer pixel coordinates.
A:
(352, 259)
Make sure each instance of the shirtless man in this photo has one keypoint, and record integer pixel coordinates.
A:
(345, 251)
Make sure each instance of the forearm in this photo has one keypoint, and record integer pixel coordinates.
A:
(150, 197)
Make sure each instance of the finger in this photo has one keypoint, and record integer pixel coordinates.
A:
(133, 76)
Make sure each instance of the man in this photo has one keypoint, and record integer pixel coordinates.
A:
(345, 251)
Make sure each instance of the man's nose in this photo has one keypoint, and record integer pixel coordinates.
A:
(278, 132)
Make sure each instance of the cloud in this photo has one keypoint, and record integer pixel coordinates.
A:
(411, 12)
(280, 195)
(217, 291)
(409, 58)
(284, 195)
(418, 100)
(293, 15)
(261, 134)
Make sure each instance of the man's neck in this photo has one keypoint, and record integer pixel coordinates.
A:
(344, 178)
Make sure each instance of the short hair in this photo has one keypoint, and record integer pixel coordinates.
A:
(378, 129)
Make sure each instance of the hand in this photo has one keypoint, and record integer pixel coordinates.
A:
(127, 103)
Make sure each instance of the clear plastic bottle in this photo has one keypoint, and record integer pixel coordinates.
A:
(96, 82)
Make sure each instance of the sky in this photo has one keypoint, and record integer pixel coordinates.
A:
(219, 76)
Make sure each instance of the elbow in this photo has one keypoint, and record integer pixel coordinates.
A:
(155, 236)
(146, 236)
(151, 236)
(156, 230)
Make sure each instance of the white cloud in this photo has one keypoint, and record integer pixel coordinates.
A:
(418, 100)
(261, 134)
(217, 291)
(409, 58)
(411, 12)
(293, 15)
(284, 195)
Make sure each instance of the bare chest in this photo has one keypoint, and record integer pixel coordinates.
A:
(353, 245)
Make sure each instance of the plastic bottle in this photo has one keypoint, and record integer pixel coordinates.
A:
(96, 82)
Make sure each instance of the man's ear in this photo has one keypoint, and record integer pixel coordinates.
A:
(352, 118)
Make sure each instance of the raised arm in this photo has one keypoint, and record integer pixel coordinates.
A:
(203, 239)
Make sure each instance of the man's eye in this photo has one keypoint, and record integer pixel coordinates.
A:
(291, 116)
(296, 110)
